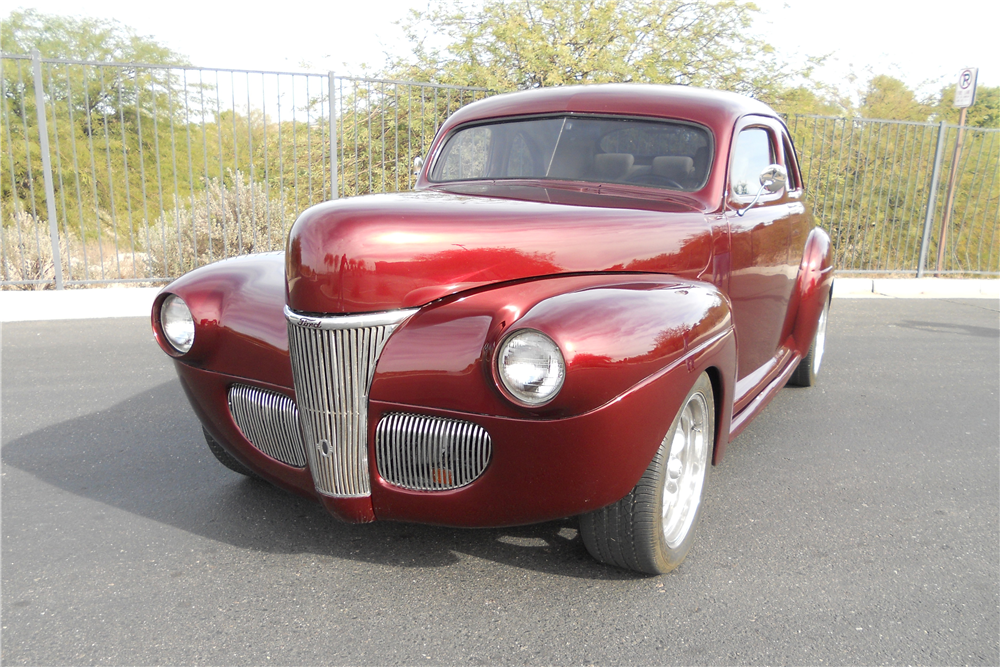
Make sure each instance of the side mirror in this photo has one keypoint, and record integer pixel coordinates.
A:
(772, 179)
(418, 162)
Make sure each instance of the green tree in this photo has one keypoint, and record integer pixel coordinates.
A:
(102, 40)
(103, 125)
(517, 44)
(888, 98)
(807, 100)
(984, 113)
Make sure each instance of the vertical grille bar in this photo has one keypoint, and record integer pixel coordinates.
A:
(333, 363)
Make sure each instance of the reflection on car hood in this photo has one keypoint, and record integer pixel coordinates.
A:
(382, 252)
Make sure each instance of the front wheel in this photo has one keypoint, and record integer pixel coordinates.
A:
(652, 528)
(225, 458)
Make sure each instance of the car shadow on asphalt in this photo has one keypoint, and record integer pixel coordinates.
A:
(146, 456)
(956, 328)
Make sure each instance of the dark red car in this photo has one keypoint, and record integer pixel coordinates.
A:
(590, 293)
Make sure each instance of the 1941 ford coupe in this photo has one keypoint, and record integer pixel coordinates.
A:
(590, 292)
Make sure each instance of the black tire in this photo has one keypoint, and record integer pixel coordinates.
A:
(808, 369)
(634, 533)
(225, 458)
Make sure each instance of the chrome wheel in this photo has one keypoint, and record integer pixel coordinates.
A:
(808, 369)
(653, 527)
(820, 341)
(686, 465)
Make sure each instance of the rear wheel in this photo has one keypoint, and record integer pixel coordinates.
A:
(225, 458)
(652, 528)
(808, 369)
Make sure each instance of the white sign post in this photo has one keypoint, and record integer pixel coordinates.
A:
(965, 91)
(965, 97)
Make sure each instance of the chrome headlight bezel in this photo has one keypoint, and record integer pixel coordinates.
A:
(177, 324)
(530, 368)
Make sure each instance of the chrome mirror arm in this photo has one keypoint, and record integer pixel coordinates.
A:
(772, 178)
(751, 204)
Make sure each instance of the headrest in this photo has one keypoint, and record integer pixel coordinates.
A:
(613, 166)
(675, 167)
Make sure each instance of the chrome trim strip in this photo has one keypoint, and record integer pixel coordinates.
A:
(269, 421)
(338, 322)
(333, 364)
(425, 453)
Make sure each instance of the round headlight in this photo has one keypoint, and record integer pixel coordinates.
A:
(177, 323)
(531, 367)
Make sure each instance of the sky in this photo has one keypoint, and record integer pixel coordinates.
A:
(926, 45)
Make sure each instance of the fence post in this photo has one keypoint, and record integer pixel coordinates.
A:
(931, 201)
(334, 177)
(43, 140)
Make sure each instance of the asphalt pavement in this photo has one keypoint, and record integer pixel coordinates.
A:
(856, 522)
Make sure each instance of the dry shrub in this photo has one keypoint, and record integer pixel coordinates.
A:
(26, 253)
(225, 220)
(104, 261)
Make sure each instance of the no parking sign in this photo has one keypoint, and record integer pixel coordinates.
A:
(965, 91)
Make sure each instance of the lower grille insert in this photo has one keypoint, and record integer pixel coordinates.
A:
(270, 422)
(430, 453)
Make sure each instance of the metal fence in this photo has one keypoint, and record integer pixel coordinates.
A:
(132, 173)
(901, 197)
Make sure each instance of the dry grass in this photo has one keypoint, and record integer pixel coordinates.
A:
(26, 257)
(26, 252)
(225, 220)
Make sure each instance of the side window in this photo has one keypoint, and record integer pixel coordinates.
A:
(791, 164)
(753, 152)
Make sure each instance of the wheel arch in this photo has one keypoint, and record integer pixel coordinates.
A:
(813, 287)
(720, 390)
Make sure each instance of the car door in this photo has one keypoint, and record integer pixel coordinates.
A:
(762, 276)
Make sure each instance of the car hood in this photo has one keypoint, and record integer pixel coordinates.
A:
(383, 252)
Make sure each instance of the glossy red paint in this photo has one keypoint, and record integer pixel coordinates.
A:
(643, 289)
(545, 469)
(398, 251)
(813, 290)
(763, 266)
(238, 308)
(614, 330)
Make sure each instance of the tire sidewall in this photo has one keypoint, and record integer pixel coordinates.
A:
(667, 558)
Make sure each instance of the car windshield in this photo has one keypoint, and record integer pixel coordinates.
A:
(670, 155)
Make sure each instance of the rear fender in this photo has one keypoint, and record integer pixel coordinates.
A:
(812, 290)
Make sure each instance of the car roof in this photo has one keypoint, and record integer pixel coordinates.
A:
(714, 108)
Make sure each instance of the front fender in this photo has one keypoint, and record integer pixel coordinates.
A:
(634, 345)
(240, 327)
(615, 331)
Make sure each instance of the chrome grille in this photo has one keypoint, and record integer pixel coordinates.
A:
(270, 422)
(430, 453)
(333, 362)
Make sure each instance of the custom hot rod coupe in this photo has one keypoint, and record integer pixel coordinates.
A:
(590, 292)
